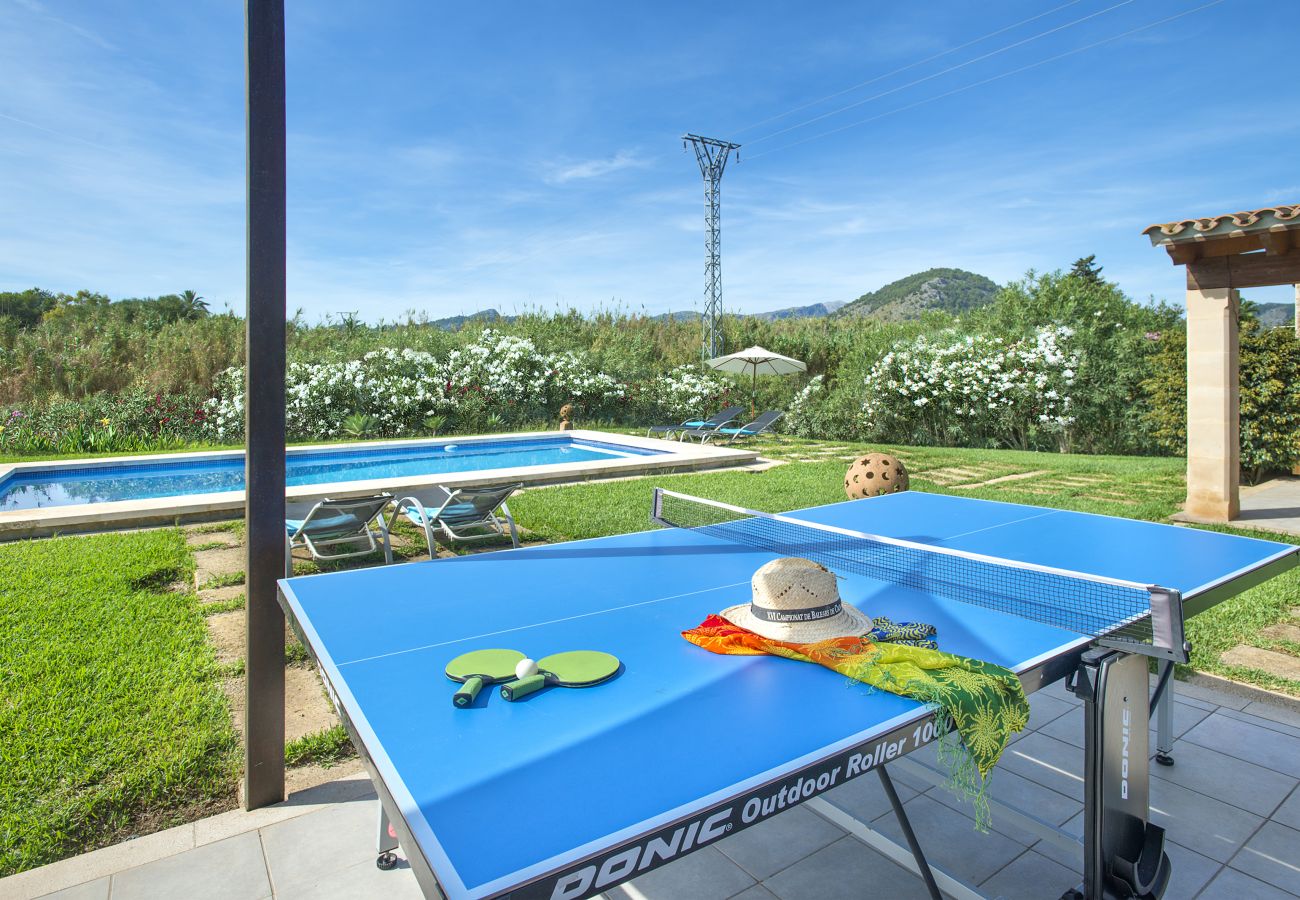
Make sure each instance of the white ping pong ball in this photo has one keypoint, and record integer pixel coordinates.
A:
(526, 668)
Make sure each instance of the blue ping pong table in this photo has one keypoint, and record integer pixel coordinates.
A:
(570, 792)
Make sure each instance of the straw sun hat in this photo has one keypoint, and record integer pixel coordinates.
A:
(797, 601)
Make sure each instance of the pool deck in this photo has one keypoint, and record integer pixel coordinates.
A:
(671, 456)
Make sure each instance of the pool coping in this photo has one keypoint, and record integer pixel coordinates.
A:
(670, 456)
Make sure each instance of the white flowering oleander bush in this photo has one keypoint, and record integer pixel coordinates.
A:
(801, 414)
(684, 393)
(497, 375)
(975, 390)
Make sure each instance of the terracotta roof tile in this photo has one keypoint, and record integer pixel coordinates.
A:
(1281, 214)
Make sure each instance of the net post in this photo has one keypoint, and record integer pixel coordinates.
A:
(1167, 624)
(657, 507)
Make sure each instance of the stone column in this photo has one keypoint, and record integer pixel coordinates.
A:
(1213, 432)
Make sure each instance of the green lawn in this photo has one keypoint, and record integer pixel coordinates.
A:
(1134, 487)
(112, 720)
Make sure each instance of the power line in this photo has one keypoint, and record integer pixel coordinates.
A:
(941, 72)
(985, 81)
(912, 65)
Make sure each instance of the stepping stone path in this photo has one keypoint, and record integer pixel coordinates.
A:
(1017, 476)
(307, 708)
(217, 563)
(961, 476)
(1279, 664)
(1275, 662)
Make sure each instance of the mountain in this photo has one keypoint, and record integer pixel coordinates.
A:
(949, 290)
(813, 311)
(1275, 315)
(455, 323)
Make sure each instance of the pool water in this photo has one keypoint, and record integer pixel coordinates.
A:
(55, 486)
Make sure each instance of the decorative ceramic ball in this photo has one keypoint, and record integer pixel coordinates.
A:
(875, 474)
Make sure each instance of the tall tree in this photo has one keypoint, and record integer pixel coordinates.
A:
(193, 306)
(1087, 270)
(26, 307)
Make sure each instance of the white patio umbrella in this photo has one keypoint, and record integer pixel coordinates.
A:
(756, 361)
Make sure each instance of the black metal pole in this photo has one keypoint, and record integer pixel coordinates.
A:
(264, 405)
(903, 822)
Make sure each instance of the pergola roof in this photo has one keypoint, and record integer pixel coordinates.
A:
(1225, 225)
(1272, 229)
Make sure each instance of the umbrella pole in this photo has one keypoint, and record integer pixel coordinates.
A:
(753, 393)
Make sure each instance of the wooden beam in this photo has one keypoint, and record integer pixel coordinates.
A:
(1249, 271)
(1276, 242)
(1184, 252)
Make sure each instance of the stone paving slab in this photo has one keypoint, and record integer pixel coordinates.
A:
(308, 849)
(1271, 506)
(1192, 871)
(196, 538)
(1234, 781)
(1030, 876)
(221, 594)
(1280, 665)
(91, 890)
(780, 841)
(233, 869)
(1289, 812)
(1272, 856)
(951, 841)
(1276, 714)
(1201, 823)
(210, 564)
(1253, 743)
(1231, 884)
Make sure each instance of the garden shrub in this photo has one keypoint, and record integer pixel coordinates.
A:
(399, 390)
(134, 420)
(974, 390)
(826, 410)
(1112, 336)
(1270, 398)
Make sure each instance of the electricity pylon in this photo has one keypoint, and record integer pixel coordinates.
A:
(712, 154)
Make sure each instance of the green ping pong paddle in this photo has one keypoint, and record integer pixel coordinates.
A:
(478, 668)
(573, 668)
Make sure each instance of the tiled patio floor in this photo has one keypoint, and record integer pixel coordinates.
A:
(1273, 506)
(1231, 806)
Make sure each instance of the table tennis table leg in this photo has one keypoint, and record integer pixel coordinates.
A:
(385, 840)
(1124, 853)
(926, 875)
(1165, 716)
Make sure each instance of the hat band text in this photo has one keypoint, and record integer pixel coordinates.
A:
(812, 614)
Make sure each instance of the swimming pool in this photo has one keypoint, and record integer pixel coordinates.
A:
(41, 498)
(65, 486)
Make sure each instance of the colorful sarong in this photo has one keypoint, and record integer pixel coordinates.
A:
(982, 702)
(911, 634)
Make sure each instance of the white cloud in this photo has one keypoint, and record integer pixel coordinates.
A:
(595, 168)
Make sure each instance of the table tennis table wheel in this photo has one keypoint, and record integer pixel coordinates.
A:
(386, 861)
(1164, 759)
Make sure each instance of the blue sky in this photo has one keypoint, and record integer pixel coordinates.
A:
(446, 157)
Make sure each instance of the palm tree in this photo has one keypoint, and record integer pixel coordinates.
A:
(192, 305)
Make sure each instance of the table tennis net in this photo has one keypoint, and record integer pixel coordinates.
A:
(1117, 610)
